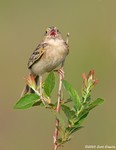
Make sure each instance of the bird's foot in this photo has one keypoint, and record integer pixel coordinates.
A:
(61, 72)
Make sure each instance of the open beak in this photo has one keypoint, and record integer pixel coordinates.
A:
(53, 32)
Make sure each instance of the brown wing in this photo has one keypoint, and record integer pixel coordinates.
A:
(39, 51)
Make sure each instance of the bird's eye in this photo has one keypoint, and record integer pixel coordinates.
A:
(57, 30)
(46, 32)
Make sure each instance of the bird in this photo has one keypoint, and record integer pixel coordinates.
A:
(49, 54)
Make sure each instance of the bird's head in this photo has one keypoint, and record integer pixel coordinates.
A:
(52, 32)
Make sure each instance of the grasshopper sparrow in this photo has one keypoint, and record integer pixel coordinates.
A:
(48, 55)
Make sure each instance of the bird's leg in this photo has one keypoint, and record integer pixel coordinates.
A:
(61, 70)
(40, 90)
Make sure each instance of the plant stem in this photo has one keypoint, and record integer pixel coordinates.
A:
(55, 146)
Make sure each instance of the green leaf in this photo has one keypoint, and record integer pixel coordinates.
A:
(73, 94)
(67, 101)
(81, 117)
(51, 106)
(61, 141)
(38, 103)
(85, 111)
(73, 129)
(27, 101)
(95, 103)
(68, 112)
(49, 84)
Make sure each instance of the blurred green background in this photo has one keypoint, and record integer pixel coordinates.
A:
(92, 28)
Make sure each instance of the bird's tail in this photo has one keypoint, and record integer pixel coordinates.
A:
(27, 89)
